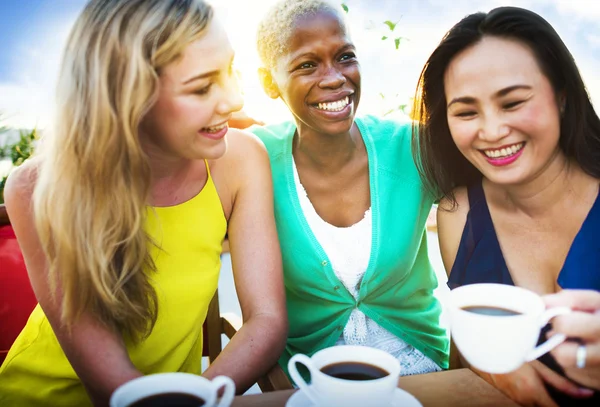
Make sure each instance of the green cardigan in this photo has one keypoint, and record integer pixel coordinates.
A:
(397, 287)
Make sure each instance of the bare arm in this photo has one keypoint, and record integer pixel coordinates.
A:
(97, 354)
(256, 261)
(450, 224)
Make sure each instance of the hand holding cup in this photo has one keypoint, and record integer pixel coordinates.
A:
(580, 358)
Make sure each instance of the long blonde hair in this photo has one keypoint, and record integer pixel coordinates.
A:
(94, 181)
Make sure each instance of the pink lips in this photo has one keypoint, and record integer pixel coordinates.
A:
(215, 136)
(500, 162)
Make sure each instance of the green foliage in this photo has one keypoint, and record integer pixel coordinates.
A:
(17, 152)
(392, 102)
(390, 24)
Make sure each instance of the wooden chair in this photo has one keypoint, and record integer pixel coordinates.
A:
(454, 359)
(217, 324)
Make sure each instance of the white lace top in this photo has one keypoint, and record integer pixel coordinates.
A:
(349, 250)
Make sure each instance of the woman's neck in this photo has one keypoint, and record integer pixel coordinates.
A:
(170, 177)
(561, 181)
(327, 153)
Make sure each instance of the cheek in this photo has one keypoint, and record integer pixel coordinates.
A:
(539, 119)
(353, 72)
(294, 95)
(463, 133)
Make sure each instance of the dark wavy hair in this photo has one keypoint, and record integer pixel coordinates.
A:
(441, 164)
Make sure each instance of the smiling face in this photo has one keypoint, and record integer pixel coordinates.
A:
(319, 75)
(197, 94)
(502, 111)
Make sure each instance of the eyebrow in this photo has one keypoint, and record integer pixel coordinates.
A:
(201, 76)
(205, 74)
(500, 93)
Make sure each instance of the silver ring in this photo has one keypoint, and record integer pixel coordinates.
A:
(581, 355)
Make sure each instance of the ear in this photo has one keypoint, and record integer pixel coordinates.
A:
(268, 83)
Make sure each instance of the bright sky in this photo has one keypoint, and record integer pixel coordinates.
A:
(33, 34)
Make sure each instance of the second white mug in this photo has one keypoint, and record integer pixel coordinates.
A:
(348, 376)
(496, 326)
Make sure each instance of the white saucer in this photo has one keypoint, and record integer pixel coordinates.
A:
(401, 399)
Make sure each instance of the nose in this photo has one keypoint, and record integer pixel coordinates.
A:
(493, 127)
(232, 100)
(332, 79)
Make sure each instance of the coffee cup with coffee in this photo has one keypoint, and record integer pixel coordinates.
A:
(174, 389)
(496, 326)
(348, 375)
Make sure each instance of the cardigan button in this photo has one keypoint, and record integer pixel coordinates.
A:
(337, 287)
(324, 262)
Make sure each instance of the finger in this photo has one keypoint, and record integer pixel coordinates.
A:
(584, 300)
(566, 354)
(561, 383)
(542, 399)
(578, 325)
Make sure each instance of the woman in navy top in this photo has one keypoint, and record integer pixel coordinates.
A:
(509, 141)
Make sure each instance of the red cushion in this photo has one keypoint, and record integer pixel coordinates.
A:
(16, 296)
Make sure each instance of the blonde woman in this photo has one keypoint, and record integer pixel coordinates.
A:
(121, 217)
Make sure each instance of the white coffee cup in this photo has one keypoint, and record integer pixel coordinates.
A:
(183, 383)
(500, 343)
(326, 390)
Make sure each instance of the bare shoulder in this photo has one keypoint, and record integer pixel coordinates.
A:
(21, 183)
(242, 143)
(460, 208)
(246, 154)
(244, 164)
(451, 220)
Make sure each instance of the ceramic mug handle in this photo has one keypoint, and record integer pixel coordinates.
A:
(297, 377)
(555, 340)
(229, 390)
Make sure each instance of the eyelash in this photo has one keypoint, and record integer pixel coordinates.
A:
(204, 90)
(350, 55)
(513, 104)
(305, 65)
(309, 65)
(506, 106)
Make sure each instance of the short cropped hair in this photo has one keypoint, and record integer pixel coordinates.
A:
(277, 25)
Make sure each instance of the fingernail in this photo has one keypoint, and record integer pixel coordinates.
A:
(585, 392)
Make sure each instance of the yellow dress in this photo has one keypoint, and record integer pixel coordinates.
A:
(37, 373)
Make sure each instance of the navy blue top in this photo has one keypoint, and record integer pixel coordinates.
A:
(480, 260)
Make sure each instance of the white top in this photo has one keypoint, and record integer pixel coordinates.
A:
(349, 250)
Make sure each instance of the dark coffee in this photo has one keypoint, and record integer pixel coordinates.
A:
(492, 311)
(354, 371)
(169, 400)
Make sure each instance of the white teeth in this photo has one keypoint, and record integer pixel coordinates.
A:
(334, 106)
(215, 129)
(504, 152)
